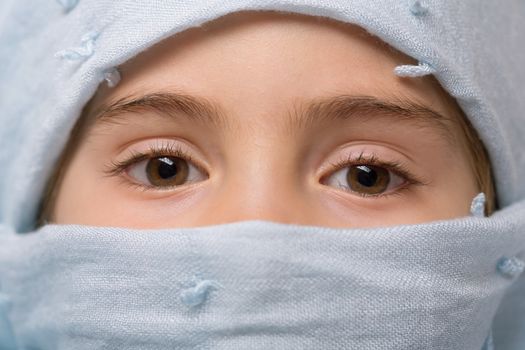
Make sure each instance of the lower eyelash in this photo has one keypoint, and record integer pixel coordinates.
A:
(397, 192)
(135, 185)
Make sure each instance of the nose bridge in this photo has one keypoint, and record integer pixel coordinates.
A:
(262, 184)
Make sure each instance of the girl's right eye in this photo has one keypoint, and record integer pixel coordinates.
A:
(164, 167)
(164, 172)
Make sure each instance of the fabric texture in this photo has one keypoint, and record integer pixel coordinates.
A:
(432, 286)
(267, 285)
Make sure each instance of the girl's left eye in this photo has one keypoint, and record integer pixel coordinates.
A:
(164, 171)
(366, 180)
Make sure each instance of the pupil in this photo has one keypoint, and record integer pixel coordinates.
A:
(366, 176)
(167, 168)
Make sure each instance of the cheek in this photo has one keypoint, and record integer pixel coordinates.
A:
(461, 188)
(75, 201)
(79, 199)
(416, 208)
(452, 192)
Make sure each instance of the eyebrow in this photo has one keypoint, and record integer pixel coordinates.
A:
(304, 115)
(169, 104)
(351, 107)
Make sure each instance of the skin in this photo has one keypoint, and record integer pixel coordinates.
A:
(257, 66)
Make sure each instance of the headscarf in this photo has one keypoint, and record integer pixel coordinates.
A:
(455, 281)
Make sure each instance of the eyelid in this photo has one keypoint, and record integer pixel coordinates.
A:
(158, 146)
(369, 152)
(145, 144)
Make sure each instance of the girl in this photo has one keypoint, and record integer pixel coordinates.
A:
(309, 175)
(211, 126)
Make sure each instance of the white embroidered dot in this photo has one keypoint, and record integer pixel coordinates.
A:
(418, 9)
(412, 71)
(510, 267)
(68, 5)
(477, 207)
(112, 77)
(196, 295)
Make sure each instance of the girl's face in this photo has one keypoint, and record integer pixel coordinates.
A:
(267, 116)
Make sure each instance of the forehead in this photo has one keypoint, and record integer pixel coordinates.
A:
(258, 65)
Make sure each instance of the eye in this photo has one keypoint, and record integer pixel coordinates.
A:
(366, 179)
(165, 171)
(160, 168)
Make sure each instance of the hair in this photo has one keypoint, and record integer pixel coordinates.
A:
(76, 135)
(480, 164)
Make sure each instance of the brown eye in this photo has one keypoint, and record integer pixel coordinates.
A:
(165, 172)
(368, 179)
(365, 179)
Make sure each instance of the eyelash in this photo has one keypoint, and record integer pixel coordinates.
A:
(117, 168)
(397, 168)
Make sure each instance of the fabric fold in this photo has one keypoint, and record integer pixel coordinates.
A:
(432, 286)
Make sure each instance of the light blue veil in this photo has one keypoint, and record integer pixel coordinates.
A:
(257, 285)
